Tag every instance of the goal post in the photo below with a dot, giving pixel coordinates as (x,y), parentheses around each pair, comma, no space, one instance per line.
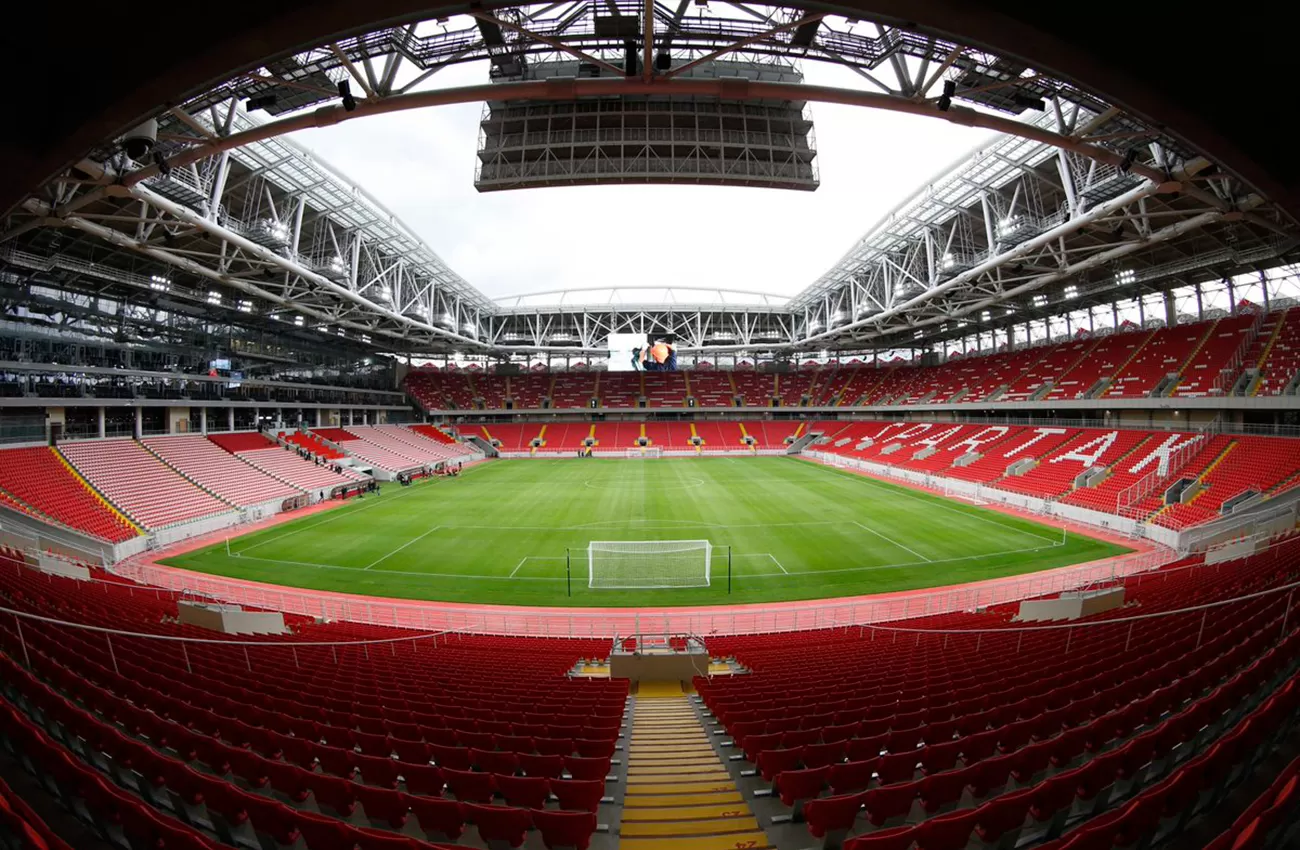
(645,564)
(648,451)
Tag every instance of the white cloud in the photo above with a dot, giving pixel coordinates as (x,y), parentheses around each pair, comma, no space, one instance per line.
(420,164)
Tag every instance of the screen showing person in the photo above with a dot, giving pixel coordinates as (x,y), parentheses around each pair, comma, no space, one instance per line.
(659,354)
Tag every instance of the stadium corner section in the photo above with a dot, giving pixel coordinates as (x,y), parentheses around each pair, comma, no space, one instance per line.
(192,544)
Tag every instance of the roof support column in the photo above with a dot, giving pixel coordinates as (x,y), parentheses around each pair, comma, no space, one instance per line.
(218,185)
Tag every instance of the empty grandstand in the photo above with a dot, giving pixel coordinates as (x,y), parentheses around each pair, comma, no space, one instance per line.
(650,525)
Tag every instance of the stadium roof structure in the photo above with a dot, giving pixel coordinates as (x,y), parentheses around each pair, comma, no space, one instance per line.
(1080,201)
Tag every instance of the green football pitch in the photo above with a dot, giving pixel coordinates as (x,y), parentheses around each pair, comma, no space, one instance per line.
(500,533)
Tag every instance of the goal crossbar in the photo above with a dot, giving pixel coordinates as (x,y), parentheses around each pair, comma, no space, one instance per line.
(632,564)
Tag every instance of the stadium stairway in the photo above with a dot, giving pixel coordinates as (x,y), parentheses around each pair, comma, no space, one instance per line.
(679,794)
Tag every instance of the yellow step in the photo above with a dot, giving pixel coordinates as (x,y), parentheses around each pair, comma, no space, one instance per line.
(681,778)
(728,811)
(702,760)
(756,840)
(657,790)
(675,801)
(670,770)
(717,826)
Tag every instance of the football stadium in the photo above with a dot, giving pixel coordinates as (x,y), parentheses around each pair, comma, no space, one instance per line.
(649,426)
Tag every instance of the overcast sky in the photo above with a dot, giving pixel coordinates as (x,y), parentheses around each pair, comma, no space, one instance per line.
(420,164)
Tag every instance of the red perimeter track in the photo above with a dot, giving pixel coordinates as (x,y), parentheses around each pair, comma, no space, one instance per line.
(612,622)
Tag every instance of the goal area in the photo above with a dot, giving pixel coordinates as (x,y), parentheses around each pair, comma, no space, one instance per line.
(645,564)
(648,451)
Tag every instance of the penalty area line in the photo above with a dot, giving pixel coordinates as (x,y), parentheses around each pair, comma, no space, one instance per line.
(891,540)
(400,548)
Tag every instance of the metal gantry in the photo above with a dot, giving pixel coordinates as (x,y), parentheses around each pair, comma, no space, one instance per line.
(1078,202)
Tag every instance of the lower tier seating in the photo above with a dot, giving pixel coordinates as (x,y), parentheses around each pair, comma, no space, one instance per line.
(39,482)
(145,488)
(219,472)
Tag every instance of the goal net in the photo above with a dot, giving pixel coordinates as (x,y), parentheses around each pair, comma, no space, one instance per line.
(625,564)
(648,451)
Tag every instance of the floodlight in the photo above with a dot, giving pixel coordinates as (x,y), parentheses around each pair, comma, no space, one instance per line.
(345,94)
(262,101)
(164,168)
(945,99)
(1126,164)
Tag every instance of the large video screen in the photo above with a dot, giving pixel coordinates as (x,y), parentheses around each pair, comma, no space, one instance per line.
(642,352)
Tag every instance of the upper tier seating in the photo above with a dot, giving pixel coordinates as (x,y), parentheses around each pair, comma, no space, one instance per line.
(1212,369)
(1056,360)
(1280,362)
(141,485)
(665,389)
(317,446)
(849,384)
(1105,359)
(794,387)
(756,388)
(528,391)
(490,390)
(574,389)
(712,389)
(1204,358)
(1163,355)
(219,472)
(288,466)
(37,478)
(620,389)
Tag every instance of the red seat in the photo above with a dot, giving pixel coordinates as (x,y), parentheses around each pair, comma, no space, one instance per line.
(889,802)
(581,768)
(500,823)
(1003,814)
(436,816)
(273,818)
(851,776)
(947,832)
(549,766)
(335,793)
(383,806)
(554,746)
(897,767)
(578,794)
(466,785)
(490,761)
(325,833)
(528,792)
(832,815)
(939,791)
(377,770)
(565,829)
(424,779)
(823,755)
(289,780)
(772,762)
(456,758)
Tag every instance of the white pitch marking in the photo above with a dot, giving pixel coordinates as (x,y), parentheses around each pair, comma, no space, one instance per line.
(778,563)
(403,546)
(890,540)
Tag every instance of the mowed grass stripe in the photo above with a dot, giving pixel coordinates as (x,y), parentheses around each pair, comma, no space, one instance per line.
(520,517)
